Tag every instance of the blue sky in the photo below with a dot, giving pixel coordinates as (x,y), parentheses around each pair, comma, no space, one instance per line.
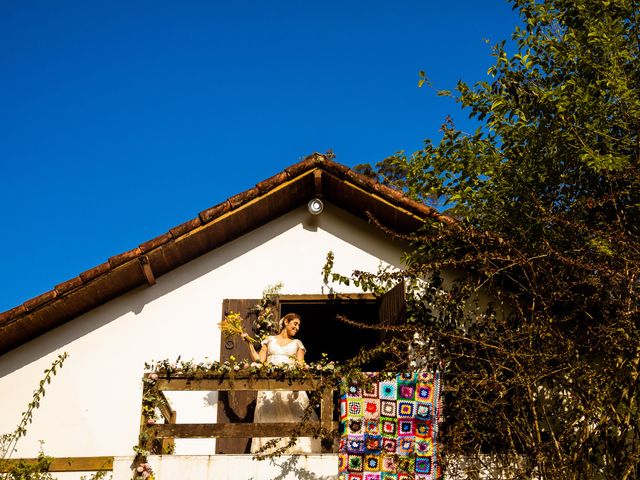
(120,120)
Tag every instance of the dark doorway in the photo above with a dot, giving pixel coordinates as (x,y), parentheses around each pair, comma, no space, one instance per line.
(322,332)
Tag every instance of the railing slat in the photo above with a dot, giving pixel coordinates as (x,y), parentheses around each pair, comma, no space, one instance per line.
(66,464)
(226,384)
(232,430)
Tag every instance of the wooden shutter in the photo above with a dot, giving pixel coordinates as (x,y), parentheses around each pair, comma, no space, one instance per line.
(393,307)
(236,407)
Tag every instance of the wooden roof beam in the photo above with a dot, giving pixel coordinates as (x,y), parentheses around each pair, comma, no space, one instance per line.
(317,183)
(146,270)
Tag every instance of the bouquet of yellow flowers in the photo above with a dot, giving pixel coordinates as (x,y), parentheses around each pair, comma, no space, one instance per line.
(232,325)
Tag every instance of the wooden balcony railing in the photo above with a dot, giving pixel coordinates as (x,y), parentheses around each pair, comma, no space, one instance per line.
(63,464)
(159,437)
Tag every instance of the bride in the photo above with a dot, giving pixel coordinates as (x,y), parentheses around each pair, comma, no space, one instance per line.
(282,406)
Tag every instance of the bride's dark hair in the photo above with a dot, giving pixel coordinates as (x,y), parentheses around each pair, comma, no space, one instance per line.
(287,318)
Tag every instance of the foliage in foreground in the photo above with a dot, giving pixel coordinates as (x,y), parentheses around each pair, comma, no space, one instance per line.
(8,441)
(38,470)
(546,197)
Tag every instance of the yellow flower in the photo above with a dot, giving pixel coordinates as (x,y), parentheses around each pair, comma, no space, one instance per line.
(232,325)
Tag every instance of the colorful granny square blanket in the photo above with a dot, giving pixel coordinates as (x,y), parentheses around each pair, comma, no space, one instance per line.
(389,427)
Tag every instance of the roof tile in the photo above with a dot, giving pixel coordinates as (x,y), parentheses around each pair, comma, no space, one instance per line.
(396,195)
(95,271)
(155,242)
(302,166)
(68,285)
(40,300)
(214,212)
(362,180)
(13,313)
(124,257)
(243,197)
(336,168)
(185,227)
(271,183)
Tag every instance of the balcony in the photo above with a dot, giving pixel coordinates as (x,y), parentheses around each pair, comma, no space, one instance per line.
(158,438)
(159,431)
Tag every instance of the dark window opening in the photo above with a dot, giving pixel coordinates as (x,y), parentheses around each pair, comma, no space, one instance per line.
(322,332)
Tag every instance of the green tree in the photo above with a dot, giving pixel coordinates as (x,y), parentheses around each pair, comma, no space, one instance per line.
(546,201)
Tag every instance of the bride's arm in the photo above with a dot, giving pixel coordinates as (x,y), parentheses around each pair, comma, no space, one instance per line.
(260,356)
(300,356)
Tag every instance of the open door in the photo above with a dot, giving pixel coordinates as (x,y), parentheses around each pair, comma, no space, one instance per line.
(236,407)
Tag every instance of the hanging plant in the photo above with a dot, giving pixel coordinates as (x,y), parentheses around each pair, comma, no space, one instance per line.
(266,323)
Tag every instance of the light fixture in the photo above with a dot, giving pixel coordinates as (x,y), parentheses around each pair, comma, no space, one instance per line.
(315,206)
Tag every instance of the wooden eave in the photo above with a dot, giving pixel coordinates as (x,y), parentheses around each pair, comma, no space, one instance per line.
(212,228)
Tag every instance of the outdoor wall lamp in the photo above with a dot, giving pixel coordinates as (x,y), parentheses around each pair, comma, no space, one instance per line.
(315,206)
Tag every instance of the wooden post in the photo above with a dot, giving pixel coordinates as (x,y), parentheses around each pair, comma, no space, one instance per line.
(146,440)
(168,444)
(326,415)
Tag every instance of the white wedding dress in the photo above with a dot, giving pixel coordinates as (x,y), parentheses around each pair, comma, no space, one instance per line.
(283,406)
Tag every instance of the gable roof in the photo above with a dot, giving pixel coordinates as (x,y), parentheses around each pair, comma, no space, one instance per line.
(316,175)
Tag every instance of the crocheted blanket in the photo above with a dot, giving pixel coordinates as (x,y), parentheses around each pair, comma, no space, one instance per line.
(389,428)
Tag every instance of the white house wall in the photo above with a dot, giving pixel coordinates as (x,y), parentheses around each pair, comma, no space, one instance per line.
(92,407)
(234,467)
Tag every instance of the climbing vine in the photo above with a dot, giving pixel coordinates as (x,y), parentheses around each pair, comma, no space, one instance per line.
(265,322)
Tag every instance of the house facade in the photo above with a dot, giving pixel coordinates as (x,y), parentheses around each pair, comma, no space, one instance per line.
(164,300)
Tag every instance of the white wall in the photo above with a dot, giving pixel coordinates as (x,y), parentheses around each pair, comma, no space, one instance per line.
(93,405)
(234,467)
